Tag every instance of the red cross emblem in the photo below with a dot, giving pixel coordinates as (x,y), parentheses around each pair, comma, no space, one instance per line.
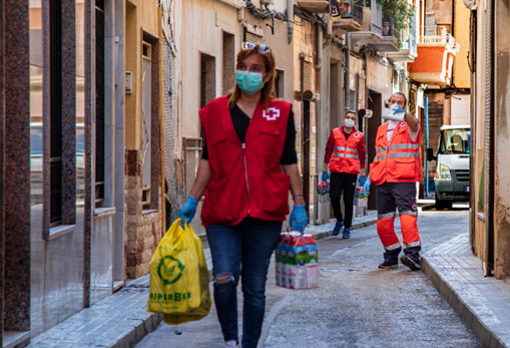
(272,114)
(356,134)
(403,124)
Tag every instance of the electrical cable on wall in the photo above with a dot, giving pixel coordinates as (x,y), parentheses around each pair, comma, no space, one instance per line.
(303,15)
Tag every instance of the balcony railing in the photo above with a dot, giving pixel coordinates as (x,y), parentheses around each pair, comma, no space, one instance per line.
(408,42)
(388,29)
(377,15)
(438,34)
(355,10)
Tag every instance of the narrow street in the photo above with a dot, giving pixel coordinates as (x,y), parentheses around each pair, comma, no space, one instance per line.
(356,305)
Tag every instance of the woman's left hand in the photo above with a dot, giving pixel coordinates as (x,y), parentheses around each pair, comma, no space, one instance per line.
(298,218)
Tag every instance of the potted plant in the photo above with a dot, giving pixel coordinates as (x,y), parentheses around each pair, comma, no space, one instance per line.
(343,7)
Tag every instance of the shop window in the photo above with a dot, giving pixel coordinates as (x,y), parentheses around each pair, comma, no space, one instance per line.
(100,104)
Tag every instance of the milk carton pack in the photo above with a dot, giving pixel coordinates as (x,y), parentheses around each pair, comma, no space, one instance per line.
(323,192)
(361,198)
(297,261)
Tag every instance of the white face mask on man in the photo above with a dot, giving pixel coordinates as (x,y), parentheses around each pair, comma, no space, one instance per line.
(349,123)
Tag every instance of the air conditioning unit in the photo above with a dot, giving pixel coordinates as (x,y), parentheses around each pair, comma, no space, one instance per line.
(471,4)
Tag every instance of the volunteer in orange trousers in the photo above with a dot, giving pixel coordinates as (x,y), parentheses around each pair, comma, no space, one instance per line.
(395,171)
(346,151)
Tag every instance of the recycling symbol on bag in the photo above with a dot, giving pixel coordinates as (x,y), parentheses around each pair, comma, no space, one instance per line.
(170,273)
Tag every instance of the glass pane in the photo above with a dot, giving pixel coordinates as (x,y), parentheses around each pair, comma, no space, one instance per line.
(80,102)
(36,102)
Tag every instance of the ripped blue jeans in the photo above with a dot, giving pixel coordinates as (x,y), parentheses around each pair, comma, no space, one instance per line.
(250,243)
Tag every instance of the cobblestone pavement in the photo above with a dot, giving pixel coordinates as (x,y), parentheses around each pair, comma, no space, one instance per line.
(357,305)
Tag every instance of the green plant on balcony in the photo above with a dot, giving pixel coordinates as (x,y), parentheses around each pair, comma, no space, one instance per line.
(401,14)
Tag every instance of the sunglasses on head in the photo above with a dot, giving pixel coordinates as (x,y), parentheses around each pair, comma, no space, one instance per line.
(251,45)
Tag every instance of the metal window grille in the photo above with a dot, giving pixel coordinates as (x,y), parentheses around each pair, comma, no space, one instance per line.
(307,76)
(100,104)
(251,37)
(55,113)
(356,10)
(171,143)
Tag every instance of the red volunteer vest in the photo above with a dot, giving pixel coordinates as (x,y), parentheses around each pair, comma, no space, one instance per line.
(246,179)
(345,153)
(398,162)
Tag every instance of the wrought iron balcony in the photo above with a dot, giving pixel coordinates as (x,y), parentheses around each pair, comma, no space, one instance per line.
(378,33)
(352,16)
(408,49)
(355,10)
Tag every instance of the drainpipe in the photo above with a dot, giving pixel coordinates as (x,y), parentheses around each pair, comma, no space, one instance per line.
(319,48)
(290,20)
(347,76)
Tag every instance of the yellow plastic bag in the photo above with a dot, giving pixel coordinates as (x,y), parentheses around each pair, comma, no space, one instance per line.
(179,280)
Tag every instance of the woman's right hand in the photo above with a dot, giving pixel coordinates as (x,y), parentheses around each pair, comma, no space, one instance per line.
(188,210)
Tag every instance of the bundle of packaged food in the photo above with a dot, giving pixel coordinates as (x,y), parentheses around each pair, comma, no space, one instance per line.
(361,198)
(297,261)
(323,192)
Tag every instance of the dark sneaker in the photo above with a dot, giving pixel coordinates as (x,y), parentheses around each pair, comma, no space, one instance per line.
(337,228)
(347,233)
(409,262)
(386,264)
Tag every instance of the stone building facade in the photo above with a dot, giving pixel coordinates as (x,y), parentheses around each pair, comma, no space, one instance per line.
(490,115)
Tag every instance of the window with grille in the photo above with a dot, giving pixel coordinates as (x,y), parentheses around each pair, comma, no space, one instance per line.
(229,58)
(100,104)
(307,76)
(55,8)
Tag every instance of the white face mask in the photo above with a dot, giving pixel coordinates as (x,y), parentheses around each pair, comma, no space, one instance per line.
(349,123)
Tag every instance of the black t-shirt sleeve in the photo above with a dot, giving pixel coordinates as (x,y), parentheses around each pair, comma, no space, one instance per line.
(205,154)
(289,150)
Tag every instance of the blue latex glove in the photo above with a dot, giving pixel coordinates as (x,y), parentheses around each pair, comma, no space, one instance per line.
(362,180)
(188,210)
(366,186)
(325,176)
(398,110)
(298,218)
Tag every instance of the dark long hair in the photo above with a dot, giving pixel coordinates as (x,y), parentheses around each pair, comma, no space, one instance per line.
(269,64)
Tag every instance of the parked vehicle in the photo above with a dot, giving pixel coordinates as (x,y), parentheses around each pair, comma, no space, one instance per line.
(452,163)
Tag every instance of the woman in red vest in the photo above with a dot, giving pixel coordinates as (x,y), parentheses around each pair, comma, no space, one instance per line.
(395,171)
(346,151)
(248,166)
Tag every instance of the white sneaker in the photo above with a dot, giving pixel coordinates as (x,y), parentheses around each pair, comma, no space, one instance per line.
(231,344)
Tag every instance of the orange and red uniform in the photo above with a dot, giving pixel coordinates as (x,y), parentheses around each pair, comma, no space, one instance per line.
(345,155)
(395,171)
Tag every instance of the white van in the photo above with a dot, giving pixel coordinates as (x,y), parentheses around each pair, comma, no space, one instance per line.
(452,166)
